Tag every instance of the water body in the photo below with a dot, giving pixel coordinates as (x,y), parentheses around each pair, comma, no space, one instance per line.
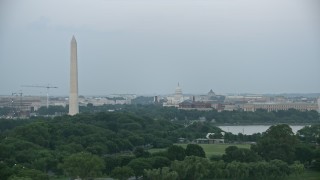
(251,129)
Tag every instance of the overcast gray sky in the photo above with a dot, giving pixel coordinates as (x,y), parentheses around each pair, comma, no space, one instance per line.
(148,46)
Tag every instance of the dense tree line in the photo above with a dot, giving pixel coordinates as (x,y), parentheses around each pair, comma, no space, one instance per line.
(42,144)
(114,144)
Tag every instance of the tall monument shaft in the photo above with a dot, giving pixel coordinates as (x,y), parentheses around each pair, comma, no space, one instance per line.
(73,97)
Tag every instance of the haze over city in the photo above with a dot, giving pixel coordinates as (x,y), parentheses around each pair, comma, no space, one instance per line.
(147,47)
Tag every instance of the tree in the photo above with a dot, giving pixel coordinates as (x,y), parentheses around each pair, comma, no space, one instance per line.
(37,133)
(259,170)
(83,165)
(45,161)
(278,169)
(316,163)
(191,168)
(176,153)
(310,134)
(217,170)
(160,174)
(278,142)
(122,173)
(238,170)
(26,173)
(52,110)
(304,153)
(297,168)
(159,162)
(275,169)
(140,152)
(111,162)
(138,165)
(5,171)
(195,150)
(233,153)
(19,178)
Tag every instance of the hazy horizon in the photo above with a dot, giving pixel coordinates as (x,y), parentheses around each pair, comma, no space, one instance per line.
(147,47)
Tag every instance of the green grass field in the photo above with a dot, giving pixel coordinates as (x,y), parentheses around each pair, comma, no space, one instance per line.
(307,175)
(209,149)
(216,149)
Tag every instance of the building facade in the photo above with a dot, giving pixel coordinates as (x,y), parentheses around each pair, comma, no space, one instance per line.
(280,106)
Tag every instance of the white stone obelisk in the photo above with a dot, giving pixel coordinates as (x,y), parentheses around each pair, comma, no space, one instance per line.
(73,97)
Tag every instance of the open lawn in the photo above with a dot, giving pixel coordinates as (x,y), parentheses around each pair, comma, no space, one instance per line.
(307,175)
(216,149)
(209,149)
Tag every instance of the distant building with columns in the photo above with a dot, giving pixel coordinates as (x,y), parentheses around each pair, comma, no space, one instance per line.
(281,106)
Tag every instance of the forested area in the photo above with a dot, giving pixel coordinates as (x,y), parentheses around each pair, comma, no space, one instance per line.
(115,145)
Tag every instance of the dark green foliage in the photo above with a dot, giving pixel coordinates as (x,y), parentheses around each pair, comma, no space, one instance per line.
(122,173)
(233,153)
(195,150)
(36,147)
(217,169)
(160,153)
(237,170)
(310,134)
(161,143)
(233,117)
(279,169)
(191,168)
(316,161)
(160,174)
(37,133)
(159,162)
(138,165)
(8,124)
(43,144)
(275,169)
(111,162)
(22,172)
(304,153)
(140,152)
(296,169)
(5,170)
(183,116)
(231,138)
(278,142)
(52,110)
(83,165)
(216,158)
(176,153)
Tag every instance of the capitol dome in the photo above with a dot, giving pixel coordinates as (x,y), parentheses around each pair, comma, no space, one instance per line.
(178,90)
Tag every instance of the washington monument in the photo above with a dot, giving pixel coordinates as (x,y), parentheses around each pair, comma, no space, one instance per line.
(73,97)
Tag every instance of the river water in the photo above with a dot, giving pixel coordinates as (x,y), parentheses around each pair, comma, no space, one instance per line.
(251,129)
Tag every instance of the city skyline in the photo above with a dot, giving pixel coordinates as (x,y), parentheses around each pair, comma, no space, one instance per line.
(147,47)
